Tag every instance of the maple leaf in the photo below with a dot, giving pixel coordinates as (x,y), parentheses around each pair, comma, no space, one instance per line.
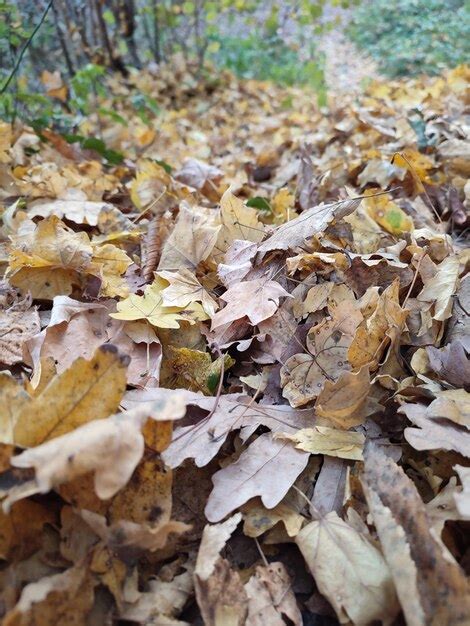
(303,376)
(109,263)
(238,222)
(434,434)
(150,307)
(251,475)
(348,570)
(184,288)
(256,299)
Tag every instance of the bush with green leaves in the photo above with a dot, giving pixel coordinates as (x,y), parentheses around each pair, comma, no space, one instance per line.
(410,37)
(267,57)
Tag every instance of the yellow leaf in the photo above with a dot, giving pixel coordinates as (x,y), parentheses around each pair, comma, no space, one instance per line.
(330,441)
(238,222)
(150,307)
(109,263)
(185,289)
(50,260)
(387,213)
(195,369)
(417,164)
(73,398)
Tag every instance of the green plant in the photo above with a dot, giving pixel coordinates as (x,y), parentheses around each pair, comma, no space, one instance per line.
(410,37)
(267,57)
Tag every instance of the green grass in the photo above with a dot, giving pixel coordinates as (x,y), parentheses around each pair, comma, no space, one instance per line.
(411,37)
(268,58)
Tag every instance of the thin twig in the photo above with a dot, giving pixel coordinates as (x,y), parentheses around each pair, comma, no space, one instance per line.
(25,47)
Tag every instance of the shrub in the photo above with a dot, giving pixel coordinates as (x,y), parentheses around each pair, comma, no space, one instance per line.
(409,37)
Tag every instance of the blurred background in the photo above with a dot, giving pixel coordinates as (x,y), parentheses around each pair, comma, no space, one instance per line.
(55,54)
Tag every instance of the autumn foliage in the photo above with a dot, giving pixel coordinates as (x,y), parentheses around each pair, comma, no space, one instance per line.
(234,383)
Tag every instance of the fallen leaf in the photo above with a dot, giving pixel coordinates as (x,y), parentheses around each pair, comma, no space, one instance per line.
(431,587)
(270,597)
(256,299)
(150,307)
(340,401)
(251,475)
(73,398)
(50,260)
(439,290)
(328,441)
(192,239)
(348,570)
(434,434)
(311,222)
(18,323)
(184,288)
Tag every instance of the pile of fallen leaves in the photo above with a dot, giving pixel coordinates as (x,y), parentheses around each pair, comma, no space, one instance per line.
(235,370)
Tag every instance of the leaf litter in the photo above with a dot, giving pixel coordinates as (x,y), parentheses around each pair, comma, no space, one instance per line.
(235,384)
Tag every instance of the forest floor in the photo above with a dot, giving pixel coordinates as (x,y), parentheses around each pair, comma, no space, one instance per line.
(235,385)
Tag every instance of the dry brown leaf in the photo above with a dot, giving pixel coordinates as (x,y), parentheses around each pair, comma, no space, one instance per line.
(431,587)
(348,570)
(434,433)
(192,240)
(256,299)
(18,323)
(69,594)
(73,398)
(219,590)
(238,222)
(184,288)
(439,290)
(251,475)
(340,401)
(50,260)
(311,222)
(270,597)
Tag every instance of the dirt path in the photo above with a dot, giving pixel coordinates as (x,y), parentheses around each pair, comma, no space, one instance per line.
(346,68)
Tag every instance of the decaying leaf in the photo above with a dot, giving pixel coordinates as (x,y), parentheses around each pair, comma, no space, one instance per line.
(430,586)
(348,570)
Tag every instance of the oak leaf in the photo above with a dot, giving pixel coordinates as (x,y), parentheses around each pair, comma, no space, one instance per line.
(256,299)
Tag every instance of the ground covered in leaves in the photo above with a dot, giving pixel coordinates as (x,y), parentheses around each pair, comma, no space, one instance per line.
(235,371)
